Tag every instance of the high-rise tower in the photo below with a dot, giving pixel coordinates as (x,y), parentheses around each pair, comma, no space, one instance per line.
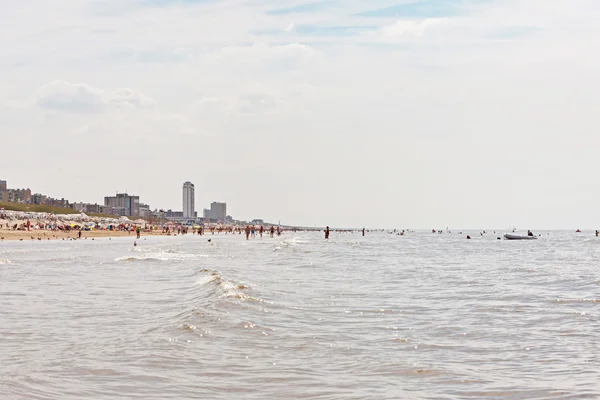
(189,200)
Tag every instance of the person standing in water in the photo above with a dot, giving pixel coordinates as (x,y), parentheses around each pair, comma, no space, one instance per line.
(272,231)
(138,231)
(327,233)
(247,232)
(261,230)
(363,232)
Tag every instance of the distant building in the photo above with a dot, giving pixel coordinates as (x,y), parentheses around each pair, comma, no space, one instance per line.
(88,208)
(218,211)
(173,214)
(177,216)
(78,206)
(93,208)
(3,192)
(189,200)
(145,211)
(38,199)
(131,204)
(109,210)
(206,213)
(56,202)
(18,195)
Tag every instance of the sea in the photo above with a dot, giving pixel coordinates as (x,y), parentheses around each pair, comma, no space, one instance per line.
(419,316)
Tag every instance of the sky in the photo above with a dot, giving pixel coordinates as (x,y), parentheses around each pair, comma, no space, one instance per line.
(379,113)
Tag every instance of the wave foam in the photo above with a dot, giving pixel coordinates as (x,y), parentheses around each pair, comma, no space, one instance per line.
(160,256)
(227,288)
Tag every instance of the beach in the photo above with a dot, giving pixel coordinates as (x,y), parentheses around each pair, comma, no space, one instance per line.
(18,225)
(9,234)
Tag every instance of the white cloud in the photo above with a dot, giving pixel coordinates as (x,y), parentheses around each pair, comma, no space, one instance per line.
(407,27)
(290,27)
(60,95)
(79,97)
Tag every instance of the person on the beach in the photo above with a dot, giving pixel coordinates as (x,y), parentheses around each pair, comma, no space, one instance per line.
(262,229)
(327,233)
(247,232)
(79,234)
(272,231)
(363,232)
(138,231)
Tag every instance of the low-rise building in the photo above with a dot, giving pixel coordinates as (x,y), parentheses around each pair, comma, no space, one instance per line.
(144,211)
(38,199)
(19,195)
(109,210)
(56,202)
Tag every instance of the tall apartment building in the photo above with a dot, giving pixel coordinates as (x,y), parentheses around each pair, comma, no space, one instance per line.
(218,211)
(189,200)
(131,204)
(3,192)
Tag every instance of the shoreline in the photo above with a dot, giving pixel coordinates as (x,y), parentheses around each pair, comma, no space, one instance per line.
(43,235)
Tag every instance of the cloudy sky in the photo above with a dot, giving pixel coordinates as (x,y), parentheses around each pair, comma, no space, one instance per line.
(379,113)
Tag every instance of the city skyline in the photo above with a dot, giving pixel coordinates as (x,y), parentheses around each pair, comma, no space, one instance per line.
(122,204)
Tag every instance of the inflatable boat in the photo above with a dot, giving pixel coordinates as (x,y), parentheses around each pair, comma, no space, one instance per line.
(510,236)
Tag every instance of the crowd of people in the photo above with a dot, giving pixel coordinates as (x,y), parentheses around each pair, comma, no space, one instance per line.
(250,230)
(22,221)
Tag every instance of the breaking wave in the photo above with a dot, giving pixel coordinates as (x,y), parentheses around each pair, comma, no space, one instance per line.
(227,288)
(158,256)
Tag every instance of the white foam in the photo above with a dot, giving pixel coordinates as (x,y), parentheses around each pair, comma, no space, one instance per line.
(207,279)
(159,256)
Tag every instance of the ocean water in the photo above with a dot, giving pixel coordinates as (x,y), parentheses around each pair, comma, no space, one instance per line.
(422,316)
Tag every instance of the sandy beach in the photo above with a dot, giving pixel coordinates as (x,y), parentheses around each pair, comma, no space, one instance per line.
(15,225)
(59,235)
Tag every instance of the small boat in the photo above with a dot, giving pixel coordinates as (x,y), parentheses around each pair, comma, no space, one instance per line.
(509,236)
